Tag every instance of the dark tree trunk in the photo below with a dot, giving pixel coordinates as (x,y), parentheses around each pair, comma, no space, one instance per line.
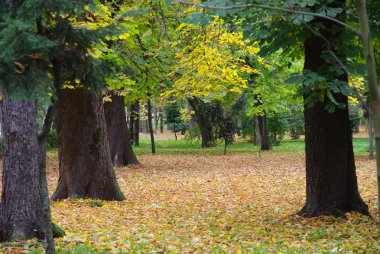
(117,132)
(161,122)
(331,183)
(264,133)
(150,126)
(85,166)
(155,120)
(22,209)
(199,107)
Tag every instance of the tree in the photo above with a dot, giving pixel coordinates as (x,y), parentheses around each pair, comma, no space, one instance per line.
(85,169)
(21,205)
(331,185)
(173,117)
(325,89)
(118,133)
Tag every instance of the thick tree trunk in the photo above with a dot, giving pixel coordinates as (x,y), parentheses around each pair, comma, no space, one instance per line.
(331,183)
(85,166)
(117,132)
(264,133)
(150,126)
(22,208)
(208,139)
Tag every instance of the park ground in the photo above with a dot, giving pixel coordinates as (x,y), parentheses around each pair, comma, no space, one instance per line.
(188,200)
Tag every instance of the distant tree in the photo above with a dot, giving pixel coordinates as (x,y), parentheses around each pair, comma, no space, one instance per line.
(173,118)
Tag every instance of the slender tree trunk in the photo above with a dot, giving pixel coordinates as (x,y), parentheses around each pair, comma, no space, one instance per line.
(85,166)
(264,133)
(21,205)
(155,120)
(161,122)
(370,135)
(150,126)
(331,182)
(208,139)
(117,132)
(373,85)
(131,125)
(44,192)
(135,114)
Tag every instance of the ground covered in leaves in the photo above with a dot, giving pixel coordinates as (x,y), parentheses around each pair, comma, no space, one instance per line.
(208,203)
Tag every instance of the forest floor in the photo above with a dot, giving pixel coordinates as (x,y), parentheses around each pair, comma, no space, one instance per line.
(205,202)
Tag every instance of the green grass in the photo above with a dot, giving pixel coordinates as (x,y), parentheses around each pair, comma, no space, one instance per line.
(184,147)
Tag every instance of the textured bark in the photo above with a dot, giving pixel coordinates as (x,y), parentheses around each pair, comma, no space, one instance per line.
(85,166)
(117,130)
(199,107)
(264,133)
(331,182)
(22,211)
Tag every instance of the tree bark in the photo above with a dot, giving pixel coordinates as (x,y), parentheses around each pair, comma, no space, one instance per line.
(256,134)
(85,166)
(21,206)
(150,126)
(264,133)
(208,139)
(117,132)
(331,182)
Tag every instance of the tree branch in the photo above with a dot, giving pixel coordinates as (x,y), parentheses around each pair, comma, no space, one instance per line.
(260,6)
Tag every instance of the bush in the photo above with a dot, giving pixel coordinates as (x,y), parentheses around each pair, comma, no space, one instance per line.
(277,125)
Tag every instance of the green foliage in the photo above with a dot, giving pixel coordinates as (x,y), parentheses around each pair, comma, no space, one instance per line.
(355,118)
(173,118)
(52,139)
(247,128)
(277,125)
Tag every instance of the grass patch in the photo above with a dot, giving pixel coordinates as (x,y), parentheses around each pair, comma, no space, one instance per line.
(240,146)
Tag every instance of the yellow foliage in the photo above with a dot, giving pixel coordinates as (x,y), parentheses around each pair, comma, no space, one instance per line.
(210,61)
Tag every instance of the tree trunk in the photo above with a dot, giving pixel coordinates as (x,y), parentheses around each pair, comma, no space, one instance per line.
(161,122)
(22,208)
(373,82)
(85,166)
(117,132)
(264,133)
(370,135)
(44,192)
(150,126)
(331,182)
(256,134)
(208,139)
(135,114)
